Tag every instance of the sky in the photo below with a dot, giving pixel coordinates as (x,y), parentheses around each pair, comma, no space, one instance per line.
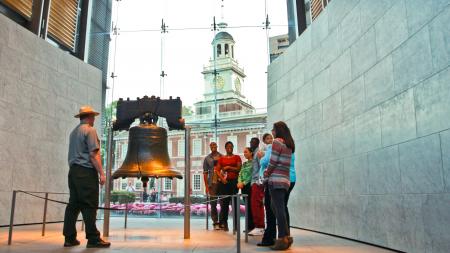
(135,54)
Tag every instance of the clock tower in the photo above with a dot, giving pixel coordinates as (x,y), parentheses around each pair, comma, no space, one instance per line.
(223,74)
(223,80)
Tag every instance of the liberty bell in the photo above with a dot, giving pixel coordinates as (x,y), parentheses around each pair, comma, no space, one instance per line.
(147,154)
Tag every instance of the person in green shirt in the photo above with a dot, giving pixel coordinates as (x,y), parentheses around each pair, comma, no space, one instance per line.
(245,178)
(245,175)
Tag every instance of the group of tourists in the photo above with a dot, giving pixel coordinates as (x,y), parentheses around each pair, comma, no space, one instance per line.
(267,177)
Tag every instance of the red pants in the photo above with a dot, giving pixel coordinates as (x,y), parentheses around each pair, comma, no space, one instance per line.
(257,205)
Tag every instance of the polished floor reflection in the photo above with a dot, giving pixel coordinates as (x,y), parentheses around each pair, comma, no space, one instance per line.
(166,235)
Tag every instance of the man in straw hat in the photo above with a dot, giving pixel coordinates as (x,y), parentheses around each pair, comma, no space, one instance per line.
(84,176)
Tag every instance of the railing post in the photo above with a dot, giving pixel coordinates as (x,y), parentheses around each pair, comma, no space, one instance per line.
(107,199)
(207,210)
(238,222)
(44,218)
(11,218)
(126,215)
(187,183)
(233,212)
(246,217)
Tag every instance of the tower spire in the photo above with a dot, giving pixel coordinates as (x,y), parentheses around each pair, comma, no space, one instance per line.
(222,25)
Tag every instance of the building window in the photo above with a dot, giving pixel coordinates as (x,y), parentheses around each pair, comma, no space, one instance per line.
(197,147)
(138,186)
(167,184)
(169,148)
(308,12)
(219,49)
(124,186)
(232,51)
(180,147)
(123,152)
(317,6)
(233,139)
(226,49)
(248,138)
(196,182)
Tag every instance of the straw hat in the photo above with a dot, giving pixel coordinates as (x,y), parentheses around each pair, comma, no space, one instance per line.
(86,110)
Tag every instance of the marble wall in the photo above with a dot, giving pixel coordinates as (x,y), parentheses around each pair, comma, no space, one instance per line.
(366,92)
(41,89)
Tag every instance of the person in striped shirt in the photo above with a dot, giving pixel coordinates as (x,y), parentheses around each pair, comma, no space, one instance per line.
(278,175)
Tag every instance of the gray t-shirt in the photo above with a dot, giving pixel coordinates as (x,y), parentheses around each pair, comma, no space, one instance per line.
(256,166)
(83,140)
(208,167)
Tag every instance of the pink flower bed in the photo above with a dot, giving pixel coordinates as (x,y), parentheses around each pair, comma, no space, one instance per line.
(166,208)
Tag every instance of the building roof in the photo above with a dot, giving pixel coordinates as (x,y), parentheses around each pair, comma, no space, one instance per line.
(223,36)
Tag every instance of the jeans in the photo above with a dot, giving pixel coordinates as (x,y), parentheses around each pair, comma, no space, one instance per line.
(286,206)
(83,188)
(279,208)
(213,193)
(248,190)
(271,227)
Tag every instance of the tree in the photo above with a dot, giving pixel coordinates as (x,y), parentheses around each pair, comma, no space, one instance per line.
(187,111)
(110,110)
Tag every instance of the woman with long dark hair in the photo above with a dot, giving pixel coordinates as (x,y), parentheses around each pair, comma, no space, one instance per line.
(278,174)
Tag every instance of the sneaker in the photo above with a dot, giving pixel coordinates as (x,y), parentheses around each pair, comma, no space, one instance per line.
(71,243)
(98,244)
(256,232)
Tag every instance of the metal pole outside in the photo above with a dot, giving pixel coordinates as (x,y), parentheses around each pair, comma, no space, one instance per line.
(246,197)
(106,212)
(44,218)
(207,210)
(11,218)
(187,184)
(238,222)
(82,225)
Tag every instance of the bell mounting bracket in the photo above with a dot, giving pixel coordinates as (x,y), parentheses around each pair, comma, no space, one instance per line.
(148,109)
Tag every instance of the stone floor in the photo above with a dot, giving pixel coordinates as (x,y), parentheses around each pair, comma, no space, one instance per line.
(166,235)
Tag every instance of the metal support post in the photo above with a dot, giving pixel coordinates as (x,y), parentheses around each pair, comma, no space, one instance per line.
(126,215)
(44,218)
(246,197)
(82,225)
(238,222)
(11,218)
(207,210)
(106,216)
(187,184)
(233,212)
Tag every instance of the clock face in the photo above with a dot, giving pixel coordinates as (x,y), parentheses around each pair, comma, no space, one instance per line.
(219,82)
(237,84)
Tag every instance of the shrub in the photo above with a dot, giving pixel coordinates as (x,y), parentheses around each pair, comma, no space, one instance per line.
(122,197)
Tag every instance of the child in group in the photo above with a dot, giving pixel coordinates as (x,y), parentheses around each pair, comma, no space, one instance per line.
(245,175)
